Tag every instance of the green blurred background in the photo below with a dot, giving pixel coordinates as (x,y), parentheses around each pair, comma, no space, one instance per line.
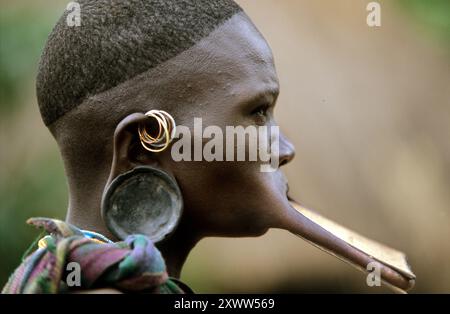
(368,110)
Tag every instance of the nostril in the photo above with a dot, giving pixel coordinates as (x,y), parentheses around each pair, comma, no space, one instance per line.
(283,162)
(285,159)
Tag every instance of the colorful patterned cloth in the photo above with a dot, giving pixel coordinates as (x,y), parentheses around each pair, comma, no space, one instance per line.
(134,265)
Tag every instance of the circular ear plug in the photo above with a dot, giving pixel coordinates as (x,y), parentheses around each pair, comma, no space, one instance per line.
(144,201)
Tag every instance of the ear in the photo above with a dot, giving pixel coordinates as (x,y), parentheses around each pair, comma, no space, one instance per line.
(127,150)
(134,192)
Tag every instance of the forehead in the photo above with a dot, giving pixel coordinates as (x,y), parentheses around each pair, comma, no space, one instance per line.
(237,56)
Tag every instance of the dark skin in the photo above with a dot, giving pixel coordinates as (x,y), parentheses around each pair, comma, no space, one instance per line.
(227,79)
(243,93)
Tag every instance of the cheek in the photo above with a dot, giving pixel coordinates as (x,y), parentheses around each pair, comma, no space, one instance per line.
(226,197)
(216,179)
(222,190)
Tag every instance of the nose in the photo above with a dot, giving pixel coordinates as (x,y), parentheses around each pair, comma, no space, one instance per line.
(287,150)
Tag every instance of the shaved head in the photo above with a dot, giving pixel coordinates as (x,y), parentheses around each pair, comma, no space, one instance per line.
(116,41)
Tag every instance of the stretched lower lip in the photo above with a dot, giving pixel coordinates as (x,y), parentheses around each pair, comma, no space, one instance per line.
(316,230)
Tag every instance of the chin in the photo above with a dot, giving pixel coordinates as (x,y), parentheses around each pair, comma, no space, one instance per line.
(238,230)
(259,232)
(253,230)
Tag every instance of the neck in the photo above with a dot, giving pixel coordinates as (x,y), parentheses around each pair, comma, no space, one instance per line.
(85,213)
(175,249)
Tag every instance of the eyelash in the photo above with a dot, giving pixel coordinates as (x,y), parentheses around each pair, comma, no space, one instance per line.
(261,110)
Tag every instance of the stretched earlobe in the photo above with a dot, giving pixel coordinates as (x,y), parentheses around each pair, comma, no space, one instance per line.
(143,200)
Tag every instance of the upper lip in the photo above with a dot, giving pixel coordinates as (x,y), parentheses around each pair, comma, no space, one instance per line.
(287,191)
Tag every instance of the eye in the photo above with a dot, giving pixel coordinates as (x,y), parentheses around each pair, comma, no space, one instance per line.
(261,111)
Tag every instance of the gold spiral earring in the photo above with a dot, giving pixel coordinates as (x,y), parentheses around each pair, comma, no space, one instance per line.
(166,131)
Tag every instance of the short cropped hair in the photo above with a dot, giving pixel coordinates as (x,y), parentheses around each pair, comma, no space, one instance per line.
(116,41)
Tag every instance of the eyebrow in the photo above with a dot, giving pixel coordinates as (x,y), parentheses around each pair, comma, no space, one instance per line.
(269,96)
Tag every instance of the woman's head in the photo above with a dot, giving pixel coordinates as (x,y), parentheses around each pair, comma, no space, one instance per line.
(206,61)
